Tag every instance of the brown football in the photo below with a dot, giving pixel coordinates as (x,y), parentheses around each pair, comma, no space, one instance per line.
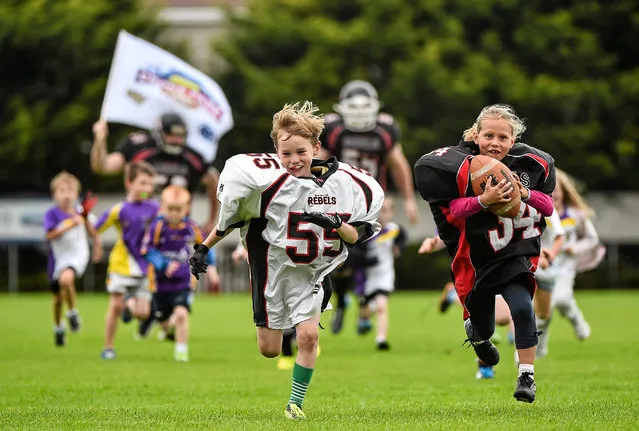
(483,169)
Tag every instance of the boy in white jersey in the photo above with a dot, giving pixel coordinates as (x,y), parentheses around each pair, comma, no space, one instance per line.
(66,228)
(295,214)
(581,240)
(375,283)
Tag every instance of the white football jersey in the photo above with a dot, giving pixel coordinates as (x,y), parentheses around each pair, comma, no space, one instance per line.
(580,236)
(257,194)
(381,277)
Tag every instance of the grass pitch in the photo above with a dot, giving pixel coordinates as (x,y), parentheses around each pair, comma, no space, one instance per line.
(425,382)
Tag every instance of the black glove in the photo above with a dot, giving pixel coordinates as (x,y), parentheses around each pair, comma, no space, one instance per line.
(327,221)
(197,262)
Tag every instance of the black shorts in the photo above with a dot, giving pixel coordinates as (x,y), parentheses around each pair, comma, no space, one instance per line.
(365,299)
(55,285)
(165,302)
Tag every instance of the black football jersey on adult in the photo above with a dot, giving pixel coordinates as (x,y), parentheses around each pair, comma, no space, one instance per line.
(487,250)
(185,169)
(364,150)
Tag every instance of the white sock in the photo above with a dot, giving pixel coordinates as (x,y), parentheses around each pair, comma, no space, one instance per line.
(542,324)
(58,328)
(380,340)
(527,368)
(181,348)
(72,312)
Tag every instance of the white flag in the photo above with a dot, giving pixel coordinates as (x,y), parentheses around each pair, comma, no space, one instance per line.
(146,81)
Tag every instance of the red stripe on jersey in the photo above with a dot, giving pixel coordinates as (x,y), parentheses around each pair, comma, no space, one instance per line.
(194,161)
(381,177)
(368,193)
(542,162)
(462,177)
(462,267)
(271,191)
(144,154)
(332,138)
(386,137)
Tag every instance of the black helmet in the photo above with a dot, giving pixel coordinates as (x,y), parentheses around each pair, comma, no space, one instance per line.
(170,124)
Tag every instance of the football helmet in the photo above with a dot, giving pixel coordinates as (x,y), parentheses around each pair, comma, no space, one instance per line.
(358,105)
(170,133)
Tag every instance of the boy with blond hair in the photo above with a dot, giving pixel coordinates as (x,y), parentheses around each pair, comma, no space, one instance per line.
(166,246)
(66,227)
(295,214)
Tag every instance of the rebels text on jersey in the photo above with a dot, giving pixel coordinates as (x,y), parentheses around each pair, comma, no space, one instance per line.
(487,250)
(365,150)
(185,169)
(257,194)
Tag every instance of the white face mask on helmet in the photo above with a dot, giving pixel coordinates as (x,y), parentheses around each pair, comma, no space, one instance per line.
(358,105)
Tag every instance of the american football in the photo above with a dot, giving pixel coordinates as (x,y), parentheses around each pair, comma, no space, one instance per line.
(483,169)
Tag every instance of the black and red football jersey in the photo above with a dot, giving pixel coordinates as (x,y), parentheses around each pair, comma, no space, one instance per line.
(185,169)
(364,150)
(487,250)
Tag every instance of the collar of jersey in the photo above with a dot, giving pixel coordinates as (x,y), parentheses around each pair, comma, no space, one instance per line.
(331,164)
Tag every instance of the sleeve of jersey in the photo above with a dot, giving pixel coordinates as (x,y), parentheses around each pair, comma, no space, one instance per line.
(435,184)
(239,198)
(554,223)
(390,126)
(108,219)
(50,220)
(127,148)
(367,207)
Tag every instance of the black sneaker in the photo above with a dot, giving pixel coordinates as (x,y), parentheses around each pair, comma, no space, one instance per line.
(59,338)
(74,322)
(526,388)
(145,326)
(338,321)
(485,350)
(383,346)
(126,315)
(170,334)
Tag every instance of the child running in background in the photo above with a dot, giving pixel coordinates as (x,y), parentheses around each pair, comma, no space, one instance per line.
(581,240)
(166,246)
(128,270)
(376,282)
(66,227)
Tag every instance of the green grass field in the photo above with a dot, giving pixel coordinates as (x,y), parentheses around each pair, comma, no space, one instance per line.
(425,382)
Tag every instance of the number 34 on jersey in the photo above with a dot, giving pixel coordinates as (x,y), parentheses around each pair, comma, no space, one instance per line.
(524,225)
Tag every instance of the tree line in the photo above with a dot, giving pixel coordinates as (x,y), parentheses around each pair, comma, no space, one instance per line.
(571,68)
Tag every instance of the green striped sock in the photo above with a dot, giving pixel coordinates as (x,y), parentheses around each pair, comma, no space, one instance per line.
(301,380)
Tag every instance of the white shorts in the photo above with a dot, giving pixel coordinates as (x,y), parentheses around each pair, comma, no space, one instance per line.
(285,308)
(134,286)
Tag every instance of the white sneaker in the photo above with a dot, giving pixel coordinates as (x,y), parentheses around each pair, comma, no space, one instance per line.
(542,346)
(582,329)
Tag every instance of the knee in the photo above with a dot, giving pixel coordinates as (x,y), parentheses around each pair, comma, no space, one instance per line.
(381,304)
(522,312)
(116,304)
(181,313)
(269,350)
(66,278)
(307,338)
(560,300)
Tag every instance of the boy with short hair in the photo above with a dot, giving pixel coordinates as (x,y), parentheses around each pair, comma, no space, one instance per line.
(66,229)
(128,270)
(166,246)
(295,215)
